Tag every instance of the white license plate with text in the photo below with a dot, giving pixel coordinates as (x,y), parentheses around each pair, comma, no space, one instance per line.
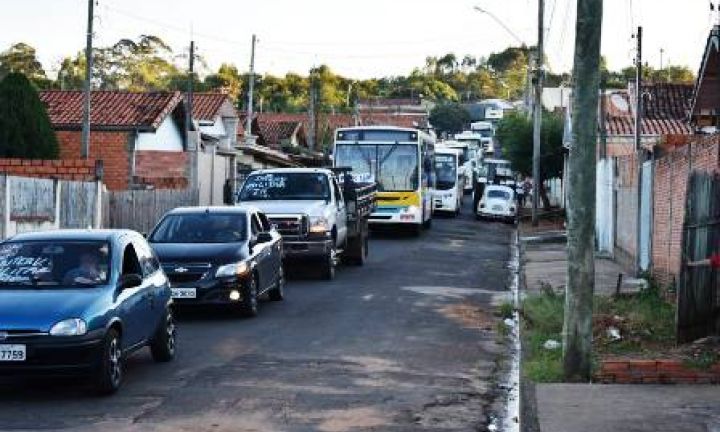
(12,353)
(184,293)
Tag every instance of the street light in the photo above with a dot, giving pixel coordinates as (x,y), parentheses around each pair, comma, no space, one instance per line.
(497,20)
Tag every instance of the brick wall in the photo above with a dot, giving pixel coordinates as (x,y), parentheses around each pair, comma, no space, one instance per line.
(110,147)
(672,172)
(162,169)
(68,169)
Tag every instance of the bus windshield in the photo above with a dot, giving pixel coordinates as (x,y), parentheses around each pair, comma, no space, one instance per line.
(446,171)
(394,167)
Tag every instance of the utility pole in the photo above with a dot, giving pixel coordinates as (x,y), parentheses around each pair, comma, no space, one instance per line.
(85,151)
(251,90)
(577,328)
(190,88)
(639,153)
(313,111)
(537,114)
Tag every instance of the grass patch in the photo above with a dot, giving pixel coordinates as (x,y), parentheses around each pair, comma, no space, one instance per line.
(645,322)
(542,320)
(506,310)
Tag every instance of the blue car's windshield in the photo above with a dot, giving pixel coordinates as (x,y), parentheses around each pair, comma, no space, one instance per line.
(201,228)
(54,263)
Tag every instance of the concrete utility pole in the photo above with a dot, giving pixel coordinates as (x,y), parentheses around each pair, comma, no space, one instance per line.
(577,330)
(537,111)
(312,136)
(251,90)
(191,88)
(85,150)
(639,152)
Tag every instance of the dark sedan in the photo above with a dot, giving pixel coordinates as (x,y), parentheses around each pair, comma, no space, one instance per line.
(79,302)
(220,256)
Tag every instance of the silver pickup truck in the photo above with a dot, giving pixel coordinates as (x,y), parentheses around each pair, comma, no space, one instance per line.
(321,218)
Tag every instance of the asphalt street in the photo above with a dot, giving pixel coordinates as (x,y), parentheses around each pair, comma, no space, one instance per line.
(406,343)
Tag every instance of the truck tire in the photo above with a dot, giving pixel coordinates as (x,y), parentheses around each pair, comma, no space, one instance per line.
(357,251)
(327,266)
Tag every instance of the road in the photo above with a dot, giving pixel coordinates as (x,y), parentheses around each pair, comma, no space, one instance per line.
(406,343)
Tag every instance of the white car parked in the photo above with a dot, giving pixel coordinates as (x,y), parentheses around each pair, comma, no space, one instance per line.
(497,202)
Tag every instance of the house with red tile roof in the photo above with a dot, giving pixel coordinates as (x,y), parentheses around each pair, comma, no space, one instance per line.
(140,137)
(665,116)
(704,110)
(216,118)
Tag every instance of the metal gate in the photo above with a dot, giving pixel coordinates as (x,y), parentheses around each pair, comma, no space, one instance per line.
(698,307)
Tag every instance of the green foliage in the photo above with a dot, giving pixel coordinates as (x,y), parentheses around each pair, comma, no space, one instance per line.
(22,58)
(515,133)
(668,74)
(542,320)
(25,130)
(449,118)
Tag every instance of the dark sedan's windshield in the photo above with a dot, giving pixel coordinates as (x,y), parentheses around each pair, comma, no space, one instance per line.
(201,228)
(54,263)
(286,186)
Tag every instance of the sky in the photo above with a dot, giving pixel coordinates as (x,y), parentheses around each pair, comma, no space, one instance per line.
(360,38)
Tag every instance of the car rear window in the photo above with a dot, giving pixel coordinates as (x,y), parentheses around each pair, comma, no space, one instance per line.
(54,263)
(501,194)
(201,228)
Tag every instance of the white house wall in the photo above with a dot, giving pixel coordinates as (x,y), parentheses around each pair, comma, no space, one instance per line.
(167,137)
(217,129)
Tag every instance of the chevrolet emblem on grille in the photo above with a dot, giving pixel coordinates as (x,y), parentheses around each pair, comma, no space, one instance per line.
(181,270)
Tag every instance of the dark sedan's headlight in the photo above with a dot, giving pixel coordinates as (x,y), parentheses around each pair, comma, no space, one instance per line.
(233,270)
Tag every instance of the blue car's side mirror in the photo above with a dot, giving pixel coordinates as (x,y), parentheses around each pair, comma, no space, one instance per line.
(129,281)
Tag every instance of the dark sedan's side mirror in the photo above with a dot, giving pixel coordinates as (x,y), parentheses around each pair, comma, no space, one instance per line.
(130,281)
(264,237)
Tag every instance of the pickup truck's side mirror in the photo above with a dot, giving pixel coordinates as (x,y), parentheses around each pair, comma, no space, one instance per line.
(264,237)
(129,281)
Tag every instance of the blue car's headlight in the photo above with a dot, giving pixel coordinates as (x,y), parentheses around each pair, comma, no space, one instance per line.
(234,269)
(69,327)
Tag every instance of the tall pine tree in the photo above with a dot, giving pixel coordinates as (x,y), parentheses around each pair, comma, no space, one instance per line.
(25,129)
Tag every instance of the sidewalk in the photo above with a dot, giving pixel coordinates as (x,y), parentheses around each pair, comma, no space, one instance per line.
(545,263)
(598,407)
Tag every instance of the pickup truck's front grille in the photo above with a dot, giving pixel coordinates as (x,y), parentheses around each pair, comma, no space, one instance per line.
(290,225)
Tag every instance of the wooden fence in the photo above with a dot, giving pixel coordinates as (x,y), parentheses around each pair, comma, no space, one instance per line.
(698,304)
(140,210)
(35,204)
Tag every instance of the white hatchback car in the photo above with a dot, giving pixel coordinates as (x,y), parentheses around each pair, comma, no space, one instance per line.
(497,202)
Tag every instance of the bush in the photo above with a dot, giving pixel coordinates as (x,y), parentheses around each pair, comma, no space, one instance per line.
(25,129)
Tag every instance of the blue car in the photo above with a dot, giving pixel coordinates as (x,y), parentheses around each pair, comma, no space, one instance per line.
(75,302)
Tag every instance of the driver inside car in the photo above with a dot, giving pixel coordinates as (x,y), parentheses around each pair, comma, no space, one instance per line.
(88,272)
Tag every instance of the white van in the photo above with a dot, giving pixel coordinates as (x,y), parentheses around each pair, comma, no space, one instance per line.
(450,181)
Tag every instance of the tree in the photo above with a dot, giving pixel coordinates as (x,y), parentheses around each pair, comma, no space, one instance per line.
(22,58)
(514,132)
(449,118)
(25,130)
(227,80)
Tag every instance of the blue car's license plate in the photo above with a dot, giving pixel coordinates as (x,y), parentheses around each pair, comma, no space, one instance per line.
(12,353)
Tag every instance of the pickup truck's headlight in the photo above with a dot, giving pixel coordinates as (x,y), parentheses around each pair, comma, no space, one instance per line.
(234,269)
(319,225)
(69,327)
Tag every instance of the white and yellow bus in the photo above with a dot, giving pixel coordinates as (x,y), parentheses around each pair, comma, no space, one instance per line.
(400,162)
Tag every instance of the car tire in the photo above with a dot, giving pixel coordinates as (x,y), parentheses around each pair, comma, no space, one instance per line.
(249,304)
(327,269)
(278,291)
(163,345)
(109,375)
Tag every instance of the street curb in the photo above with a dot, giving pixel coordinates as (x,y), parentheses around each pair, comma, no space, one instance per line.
(528,400)
(550,237)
